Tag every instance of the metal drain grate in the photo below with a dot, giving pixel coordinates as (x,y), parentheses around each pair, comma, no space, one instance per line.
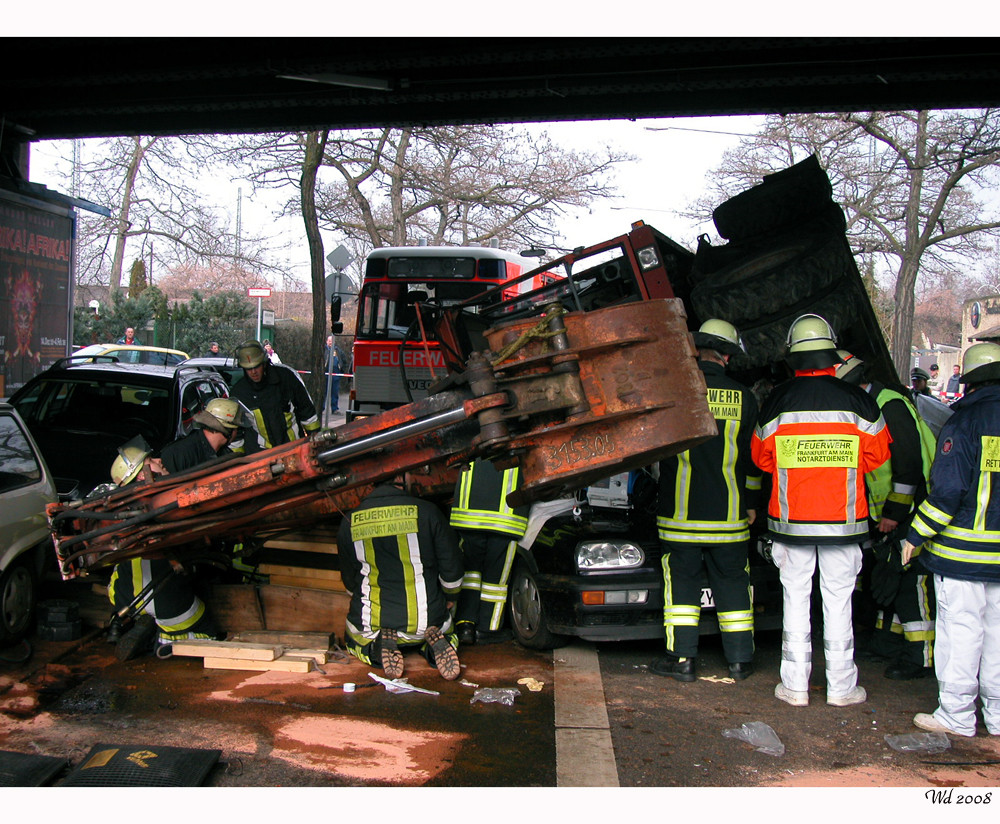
(137,765)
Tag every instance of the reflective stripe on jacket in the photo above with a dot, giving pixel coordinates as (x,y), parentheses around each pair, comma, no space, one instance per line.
(705,491)
(959,523)
(817,437)
(280,403)
(481,500)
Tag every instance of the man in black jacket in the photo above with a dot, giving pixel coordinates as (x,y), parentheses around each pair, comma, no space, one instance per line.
(402,564)
(706,503)
(276,397)
(216,425)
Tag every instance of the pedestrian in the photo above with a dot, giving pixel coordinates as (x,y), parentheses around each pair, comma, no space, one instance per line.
(817,437)
(129,337)
(918,381)
(159,589)
(213,350)
(488,528)
(334,364)
(904,623)
(936,382)
(276,397)
(954,382)
(402,564)
(707,500)
(271,354)
(955,534)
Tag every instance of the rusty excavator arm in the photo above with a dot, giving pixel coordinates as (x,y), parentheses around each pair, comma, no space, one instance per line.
(571,397)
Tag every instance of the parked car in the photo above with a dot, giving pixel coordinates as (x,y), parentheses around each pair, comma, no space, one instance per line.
(226,367)
(594,571)
(26,487)
(81,413)
(133,354)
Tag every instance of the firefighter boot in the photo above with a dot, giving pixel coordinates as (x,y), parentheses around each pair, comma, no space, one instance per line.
(680,668)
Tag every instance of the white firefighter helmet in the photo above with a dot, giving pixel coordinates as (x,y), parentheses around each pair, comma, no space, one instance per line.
(981,362)
(226,411)
(250,354)
(811,343)
(128,464)
(850,368)
(719,335)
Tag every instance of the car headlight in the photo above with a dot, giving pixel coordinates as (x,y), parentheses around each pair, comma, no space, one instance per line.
(595,555)
(648,257)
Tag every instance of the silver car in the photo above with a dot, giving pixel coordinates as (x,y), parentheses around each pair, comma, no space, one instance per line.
(25,543)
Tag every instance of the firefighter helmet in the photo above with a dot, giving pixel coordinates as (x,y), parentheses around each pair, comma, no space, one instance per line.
(811,343)
(250,354)
(719,335)
(981,362)
(128,464)
(850,369)
(225,410)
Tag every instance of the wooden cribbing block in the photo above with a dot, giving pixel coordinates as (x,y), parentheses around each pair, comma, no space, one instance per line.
(228,649)
(300,572)
(286,663)
(302,640)
(306,583)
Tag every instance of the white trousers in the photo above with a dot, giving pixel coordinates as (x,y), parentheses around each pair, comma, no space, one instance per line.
(838,569)
(967,653)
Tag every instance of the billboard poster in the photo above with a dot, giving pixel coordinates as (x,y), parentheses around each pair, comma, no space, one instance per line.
(36,255)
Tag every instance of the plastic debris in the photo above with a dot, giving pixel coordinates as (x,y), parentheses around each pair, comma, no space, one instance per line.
(716,680)
(466,683)
(494,695)
(399,685)
(759,735)
(531,684)
(930,742)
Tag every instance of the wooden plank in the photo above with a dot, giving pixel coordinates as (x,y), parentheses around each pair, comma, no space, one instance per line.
(300,572)
(236,607)
(287,663)
(301,640)
(306,583)
(291,609)
(228,649)
(320,656)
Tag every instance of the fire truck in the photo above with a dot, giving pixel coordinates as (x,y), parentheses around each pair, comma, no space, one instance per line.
(396,356)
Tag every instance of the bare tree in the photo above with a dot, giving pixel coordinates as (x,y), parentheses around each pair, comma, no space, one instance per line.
(150,186)
(908,182)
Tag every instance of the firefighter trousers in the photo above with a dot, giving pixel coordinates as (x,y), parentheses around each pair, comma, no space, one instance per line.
(968,653)
(489,557)
(905,633)
(179,613)
(839,566)
(728,570)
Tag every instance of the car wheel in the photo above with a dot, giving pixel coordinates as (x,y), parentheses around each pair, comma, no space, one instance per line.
(527,613)
(18,595)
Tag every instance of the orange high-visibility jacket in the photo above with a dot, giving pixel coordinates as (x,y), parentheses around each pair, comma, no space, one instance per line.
(817,437)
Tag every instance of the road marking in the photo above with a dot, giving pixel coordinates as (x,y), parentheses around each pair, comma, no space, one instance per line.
(585,755)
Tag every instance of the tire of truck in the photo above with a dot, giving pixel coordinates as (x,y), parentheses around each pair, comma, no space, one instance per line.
(783,200)
(765,342)
(527,612)
(18,598)
(767,282)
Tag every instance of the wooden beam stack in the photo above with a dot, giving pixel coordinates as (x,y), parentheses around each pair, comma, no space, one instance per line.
(261,651)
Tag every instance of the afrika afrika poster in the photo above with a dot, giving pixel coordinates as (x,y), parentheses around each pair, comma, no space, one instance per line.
(36,253)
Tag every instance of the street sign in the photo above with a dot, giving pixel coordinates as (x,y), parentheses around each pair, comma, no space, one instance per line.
(259,292)
(340,257)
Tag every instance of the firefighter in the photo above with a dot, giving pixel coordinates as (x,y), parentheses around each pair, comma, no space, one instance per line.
(904,624)
(402,564)
(707,501)
(157,588)
(276,397)
(215,427)
(817,437)
(488,529)
(956,532)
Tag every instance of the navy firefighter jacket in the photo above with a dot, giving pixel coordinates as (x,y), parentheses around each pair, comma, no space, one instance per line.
(959,522)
